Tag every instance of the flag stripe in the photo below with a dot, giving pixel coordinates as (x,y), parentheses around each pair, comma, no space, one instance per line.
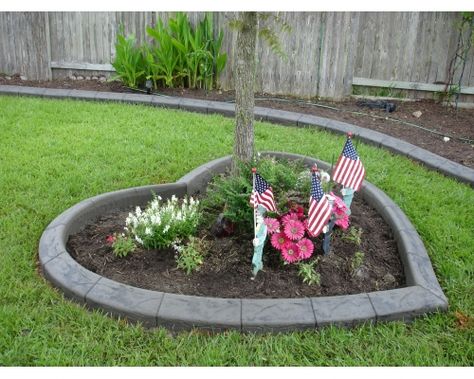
(349,170)
(262,195)
(319,208)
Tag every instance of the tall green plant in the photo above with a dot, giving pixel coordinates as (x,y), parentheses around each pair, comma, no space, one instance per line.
(180,55)
(166,59)
(128,63)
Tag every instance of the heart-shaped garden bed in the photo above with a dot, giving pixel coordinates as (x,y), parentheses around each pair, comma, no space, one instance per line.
(388,286)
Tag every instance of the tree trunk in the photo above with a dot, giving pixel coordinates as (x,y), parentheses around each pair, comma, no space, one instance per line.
(244,88)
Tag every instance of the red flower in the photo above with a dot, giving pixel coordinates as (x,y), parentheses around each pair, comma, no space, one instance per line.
(111,239)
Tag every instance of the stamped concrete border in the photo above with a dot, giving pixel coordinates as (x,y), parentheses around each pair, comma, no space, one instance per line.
(179,312)
(429,159)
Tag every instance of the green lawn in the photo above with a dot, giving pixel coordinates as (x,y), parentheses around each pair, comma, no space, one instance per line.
(56,153)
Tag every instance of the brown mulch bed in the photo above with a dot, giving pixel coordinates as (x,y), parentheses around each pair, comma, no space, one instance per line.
(444,120)
(226,270)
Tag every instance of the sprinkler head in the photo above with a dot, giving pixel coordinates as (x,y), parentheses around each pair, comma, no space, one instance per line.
(148,86)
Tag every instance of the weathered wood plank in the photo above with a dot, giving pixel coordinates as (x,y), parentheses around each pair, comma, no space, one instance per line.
(367,82)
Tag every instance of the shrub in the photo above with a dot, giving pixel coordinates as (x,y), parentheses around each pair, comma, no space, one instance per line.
(161,225)
(230,194)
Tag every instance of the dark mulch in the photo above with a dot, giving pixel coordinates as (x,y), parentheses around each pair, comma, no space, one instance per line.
(444,120)
(226,270)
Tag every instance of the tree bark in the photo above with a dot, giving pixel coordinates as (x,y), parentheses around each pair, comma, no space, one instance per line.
(244,69)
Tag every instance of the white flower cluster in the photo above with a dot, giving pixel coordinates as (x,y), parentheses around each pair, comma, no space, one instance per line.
(161,223)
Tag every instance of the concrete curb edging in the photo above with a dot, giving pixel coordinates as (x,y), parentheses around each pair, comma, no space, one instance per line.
(181,312)
(395,145)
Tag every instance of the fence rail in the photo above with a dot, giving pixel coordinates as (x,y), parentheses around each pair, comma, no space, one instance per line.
(325,50)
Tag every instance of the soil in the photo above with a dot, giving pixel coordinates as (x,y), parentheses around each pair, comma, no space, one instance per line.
(458,124)
(226,270)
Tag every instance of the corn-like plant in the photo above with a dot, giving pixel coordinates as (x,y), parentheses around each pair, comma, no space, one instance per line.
(164,53)
(180,55)
(128,62)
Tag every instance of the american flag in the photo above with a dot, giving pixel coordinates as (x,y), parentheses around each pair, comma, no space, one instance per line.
(262,194)
(349,170)
(319,208)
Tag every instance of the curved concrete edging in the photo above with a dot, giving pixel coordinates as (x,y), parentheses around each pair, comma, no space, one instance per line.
(422,294)
(395,145)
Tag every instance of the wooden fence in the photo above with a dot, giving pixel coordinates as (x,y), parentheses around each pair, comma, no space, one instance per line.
(327,52)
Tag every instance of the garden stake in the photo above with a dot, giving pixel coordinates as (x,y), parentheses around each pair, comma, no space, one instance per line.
(327,236)
(259,241)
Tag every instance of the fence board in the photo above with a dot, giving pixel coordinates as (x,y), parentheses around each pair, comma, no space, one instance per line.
(324,50)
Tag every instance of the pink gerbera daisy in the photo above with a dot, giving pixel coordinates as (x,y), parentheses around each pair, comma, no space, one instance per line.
(339,207)
(294,229)
(289,216)
(272,224)
(278,240)
(305,247)
(290,252)
(342,221)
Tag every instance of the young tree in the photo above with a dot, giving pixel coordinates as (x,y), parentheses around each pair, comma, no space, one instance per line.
(244,72)
(249,25)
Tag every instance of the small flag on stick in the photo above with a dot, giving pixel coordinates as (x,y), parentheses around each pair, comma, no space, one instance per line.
(262,194)
(319,208)
(349,170)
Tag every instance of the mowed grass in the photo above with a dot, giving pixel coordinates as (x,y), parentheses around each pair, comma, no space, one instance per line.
(56,153)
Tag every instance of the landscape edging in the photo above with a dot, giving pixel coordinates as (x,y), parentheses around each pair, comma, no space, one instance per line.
(395,145)
(182,312)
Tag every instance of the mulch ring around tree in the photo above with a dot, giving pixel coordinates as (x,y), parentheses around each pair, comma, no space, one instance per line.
(226,271)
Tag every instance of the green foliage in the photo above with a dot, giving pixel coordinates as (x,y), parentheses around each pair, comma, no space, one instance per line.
(128,62)
(353,235)
(180,55)
(307,272)
(230,194)
(357,261)
(191,256)
(123,245)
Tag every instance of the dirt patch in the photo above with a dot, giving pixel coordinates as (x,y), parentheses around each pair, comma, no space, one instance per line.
(458,125)
(226,270)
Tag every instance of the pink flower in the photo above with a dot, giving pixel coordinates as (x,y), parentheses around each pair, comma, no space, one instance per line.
(290,252)
(278,240)
(339,207)
(342,221)
(305,247)
(272,224)
(294,229)
(289,216)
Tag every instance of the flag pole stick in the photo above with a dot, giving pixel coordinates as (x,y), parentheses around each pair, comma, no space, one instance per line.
(254,170)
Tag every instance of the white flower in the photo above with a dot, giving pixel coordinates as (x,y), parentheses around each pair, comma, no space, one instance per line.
(148,231)
(139,240)
(324,177)
(166,228)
